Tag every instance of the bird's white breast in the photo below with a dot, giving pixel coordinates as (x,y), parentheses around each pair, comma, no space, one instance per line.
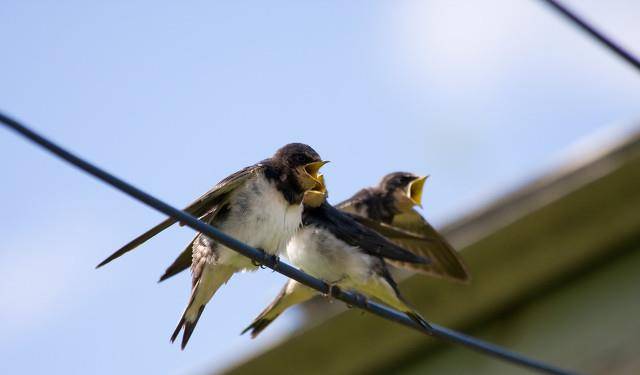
(319,253)
(261,217)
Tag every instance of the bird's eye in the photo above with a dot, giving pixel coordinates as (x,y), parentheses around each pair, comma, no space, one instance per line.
(299,159)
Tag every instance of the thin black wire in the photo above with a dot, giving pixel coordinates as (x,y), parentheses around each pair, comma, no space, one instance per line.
(283,268)
(598,35)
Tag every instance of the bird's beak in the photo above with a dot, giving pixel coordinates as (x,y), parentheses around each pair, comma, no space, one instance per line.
(317,195)
(414,190)
(311,171)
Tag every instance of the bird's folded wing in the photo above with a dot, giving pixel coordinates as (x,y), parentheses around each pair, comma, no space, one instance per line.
(198,208)
(345,228)
(350,204)
(445,261)
(385,229)
(183,261)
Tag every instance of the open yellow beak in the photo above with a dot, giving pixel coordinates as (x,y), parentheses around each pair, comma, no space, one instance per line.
(317,195)
(414,190)
(312,170)
(320,187)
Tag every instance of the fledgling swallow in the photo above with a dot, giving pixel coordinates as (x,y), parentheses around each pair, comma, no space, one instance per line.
(260,205)
(392,203)
(388,209)
(335,248)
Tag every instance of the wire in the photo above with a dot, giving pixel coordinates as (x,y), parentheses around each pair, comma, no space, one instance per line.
(283,268)
(598,35)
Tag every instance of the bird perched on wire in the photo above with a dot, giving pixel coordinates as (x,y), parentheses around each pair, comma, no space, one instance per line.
(260,205)
(389,209)
(335,248)
(392,203)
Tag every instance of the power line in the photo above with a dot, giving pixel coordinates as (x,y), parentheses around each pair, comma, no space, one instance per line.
(595,33)
(281,267)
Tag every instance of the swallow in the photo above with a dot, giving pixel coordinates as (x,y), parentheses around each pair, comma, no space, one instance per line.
(391,204)
(260,205)
(388,208)
(334,247)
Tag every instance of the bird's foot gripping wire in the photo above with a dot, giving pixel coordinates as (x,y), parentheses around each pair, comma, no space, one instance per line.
(275,260)
(333,292)
(361,301)
(259,264)
(271,258)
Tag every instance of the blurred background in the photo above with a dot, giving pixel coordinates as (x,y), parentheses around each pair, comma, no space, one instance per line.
(484,96)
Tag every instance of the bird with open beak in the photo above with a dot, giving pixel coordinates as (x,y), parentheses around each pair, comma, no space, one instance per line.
(335,248)
(391,204)
(260,205)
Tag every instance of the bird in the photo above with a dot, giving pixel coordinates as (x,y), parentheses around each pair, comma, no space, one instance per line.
(388,208)
(392,203)
(334,247)
(260,205)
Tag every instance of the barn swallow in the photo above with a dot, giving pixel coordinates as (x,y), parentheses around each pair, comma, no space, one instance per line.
(335,248)
(260,205)
(389,209)
(392,203)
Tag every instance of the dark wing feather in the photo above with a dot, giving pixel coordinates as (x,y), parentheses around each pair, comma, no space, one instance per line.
(183,261)
(357,203)
(350,231)
(198,208)
(348,205)
(445,261)
(385,229)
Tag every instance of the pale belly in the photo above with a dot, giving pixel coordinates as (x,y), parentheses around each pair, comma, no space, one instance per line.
(322,255)
(260,217)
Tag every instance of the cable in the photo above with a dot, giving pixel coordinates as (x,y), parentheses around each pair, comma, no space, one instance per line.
(281,267)
(598,35)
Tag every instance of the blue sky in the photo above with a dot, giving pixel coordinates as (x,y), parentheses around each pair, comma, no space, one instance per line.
(175,96)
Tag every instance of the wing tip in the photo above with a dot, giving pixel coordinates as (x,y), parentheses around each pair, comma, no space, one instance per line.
(423,260)
(256,327)
(463,277)
(163,277)
(106,261)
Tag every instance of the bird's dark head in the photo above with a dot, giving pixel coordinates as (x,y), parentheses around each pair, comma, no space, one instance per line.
(404,188)
(304,163)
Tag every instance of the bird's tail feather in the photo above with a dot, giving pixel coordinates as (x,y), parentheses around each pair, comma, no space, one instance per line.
(189,318)
(390,295)
(268,315)
(291,294)
(203,290)
(418,319)
(258,325)
(176,332)
(411,312)
(189,324)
